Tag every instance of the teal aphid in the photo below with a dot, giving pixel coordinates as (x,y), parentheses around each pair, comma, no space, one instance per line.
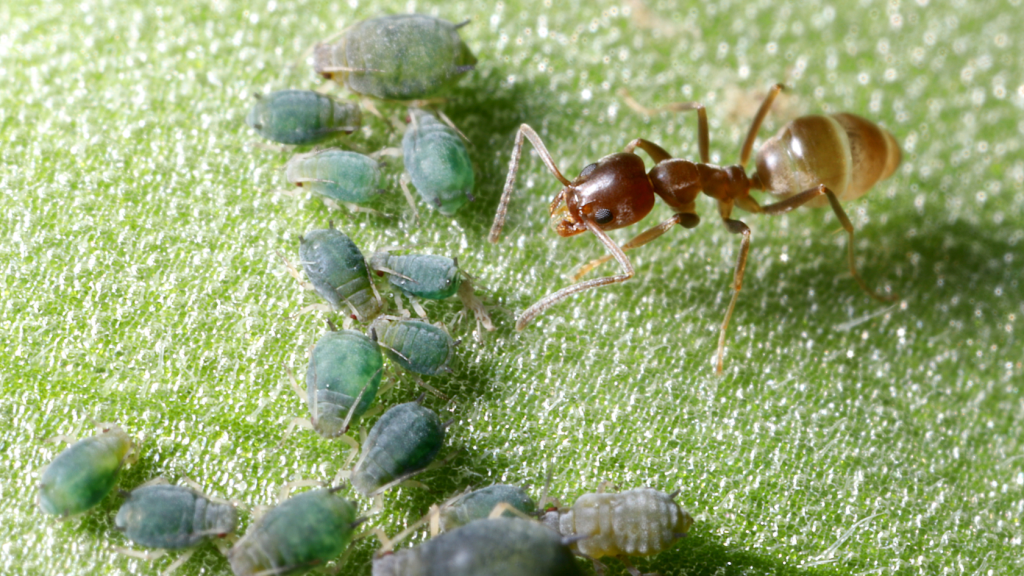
(302,117)
(336,174)
(336,269)
(404,441)
(480,503)
(402,57)
(173,517)
(343,365)
(421,275)
(438,163)
(299,534)
(505,546)
(81,476)
(417,346)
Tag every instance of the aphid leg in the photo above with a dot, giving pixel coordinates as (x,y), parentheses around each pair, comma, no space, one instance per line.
(67,439)
(435,520)
(147,556)
(431,389)
(501,507)
(474,304)
(287,488)
(755,125)
(404,478)
(736,227)
(513,168)
(684,219)
(294,273)
(552,299)
(604,485)
(378,505)
(353,208)
(452,125)
(633,570)
(159,481)
(403,182)
(386,544)
(177,563)
(599,567)
(417,308)
(401,309)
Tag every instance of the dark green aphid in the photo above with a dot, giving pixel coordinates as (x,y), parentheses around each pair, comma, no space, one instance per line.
(301,533)
(478,504)
(173,517)
(336,174)
(344,366)
(438,163)
(302,117)
(337,271)
(81,476)
(417,346)
(402,57)
(403,442)
(505,546)
(421,275)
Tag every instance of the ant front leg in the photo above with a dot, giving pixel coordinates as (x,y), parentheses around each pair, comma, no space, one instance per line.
(684,219)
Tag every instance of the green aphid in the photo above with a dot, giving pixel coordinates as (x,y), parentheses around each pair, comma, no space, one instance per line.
(403,442)
(172,517)
(297,535)
(302,117)
(417,346)
(421,275)
(336,269)
(81,476)
(337,174)
(478,504)
(505,546)
(344,366)
(438,162)
(402,57)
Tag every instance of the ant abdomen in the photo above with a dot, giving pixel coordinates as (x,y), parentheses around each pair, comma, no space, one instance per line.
(845,152)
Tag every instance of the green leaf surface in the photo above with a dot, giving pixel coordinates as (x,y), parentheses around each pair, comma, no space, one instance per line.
(141,282)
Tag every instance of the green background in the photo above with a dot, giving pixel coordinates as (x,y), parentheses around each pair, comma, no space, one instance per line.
(141,284)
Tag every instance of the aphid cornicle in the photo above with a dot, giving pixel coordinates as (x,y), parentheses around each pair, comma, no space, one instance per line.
(344,366)
(495,546)
(298,534)
(417,346)
(421,275)
(478,504)
(438,162)
(82,475)
(637,522)
(404,441)
(811,161)
(401,57)
(338,273)
(337,174)
(302,117)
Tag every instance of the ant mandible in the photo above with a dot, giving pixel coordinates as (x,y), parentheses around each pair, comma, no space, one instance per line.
(839,156)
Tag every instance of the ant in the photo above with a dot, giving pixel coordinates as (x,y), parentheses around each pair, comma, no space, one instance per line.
(813,160)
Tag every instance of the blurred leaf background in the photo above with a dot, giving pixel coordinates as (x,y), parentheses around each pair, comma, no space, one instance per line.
(141,282)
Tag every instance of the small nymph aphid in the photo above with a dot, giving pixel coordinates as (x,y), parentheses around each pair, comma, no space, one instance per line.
(417,346)
(82,475)
(302,117)
(437,162)
(478,504)
(336,269)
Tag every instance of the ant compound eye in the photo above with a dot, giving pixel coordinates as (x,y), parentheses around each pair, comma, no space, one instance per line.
(603,216)
(586,171)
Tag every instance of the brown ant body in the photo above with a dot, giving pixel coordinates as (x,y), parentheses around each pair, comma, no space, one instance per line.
(813,160)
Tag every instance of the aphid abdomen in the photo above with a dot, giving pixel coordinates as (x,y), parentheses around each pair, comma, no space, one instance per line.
(425,275)
(402,57)
(805,153)
(407,438)
(82,475)
(337,271)
(300,533)
(172,517)
(479,504)
(497,546)
(302,117)
(343,365)
(417,346)
(633,523)
(438,163)
(337,174)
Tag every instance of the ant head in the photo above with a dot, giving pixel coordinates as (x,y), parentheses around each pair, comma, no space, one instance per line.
(614,192)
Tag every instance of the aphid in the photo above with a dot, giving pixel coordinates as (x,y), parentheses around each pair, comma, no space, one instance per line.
(337,271)
(402,57)
(811,160)
(478,504)
(81,476)
(171,517)
(302,117)
(505,546)
(417,346)
(421,275)
(337,174)
(342,380)
(638,522)
(437,162)
(300,533)
(403,442)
